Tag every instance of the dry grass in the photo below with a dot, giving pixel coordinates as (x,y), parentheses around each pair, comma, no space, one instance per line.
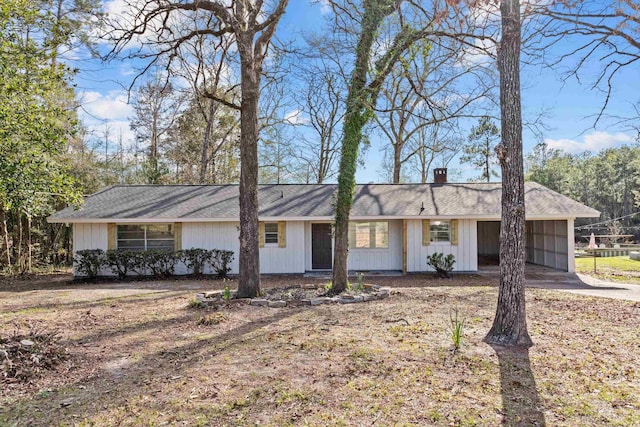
(140,356)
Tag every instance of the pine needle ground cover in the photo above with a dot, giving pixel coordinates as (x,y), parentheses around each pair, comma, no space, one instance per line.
(138,354)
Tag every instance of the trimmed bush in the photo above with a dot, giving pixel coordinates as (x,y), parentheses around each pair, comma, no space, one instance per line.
(196,259)
(121,262)
(442,264)
(161,263)
(89,262)
(219,261)
(156,263)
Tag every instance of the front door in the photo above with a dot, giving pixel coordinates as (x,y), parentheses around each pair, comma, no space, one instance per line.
(321,246)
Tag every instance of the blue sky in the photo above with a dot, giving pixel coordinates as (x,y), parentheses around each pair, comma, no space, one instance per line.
(570,107)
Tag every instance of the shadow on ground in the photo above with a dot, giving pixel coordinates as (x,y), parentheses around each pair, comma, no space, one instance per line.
(521,403)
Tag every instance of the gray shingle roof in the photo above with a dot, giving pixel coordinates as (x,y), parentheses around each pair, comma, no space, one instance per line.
(202,202)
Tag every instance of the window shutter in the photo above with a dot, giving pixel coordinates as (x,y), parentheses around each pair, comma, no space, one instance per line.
(426,232)
(177,236)
(111,236)
(261,234)
(454,232)
(282,234)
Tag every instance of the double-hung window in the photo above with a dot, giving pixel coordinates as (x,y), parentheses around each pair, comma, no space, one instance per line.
(271,233)
(369,235)
(141,237)
(440,231)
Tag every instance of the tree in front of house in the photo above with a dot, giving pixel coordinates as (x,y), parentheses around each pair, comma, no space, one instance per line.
(510,323)
(162,28)
(480,151)
(371,68)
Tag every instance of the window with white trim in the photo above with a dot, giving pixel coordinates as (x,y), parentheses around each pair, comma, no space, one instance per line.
(142,237)
(440,231)
(270,233)
(369,235)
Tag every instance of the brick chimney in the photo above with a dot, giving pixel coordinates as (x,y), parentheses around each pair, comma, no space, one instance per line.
(440,175)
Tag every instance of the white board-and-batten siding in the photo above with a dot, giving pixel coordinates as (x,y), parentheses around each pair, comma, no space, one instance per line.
(465,252)
(296,256)
(90,236)
(365,259)
(225,235)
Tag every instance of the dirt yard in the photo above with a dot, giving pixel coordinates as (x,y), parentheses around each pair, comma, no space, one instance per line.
(140,356)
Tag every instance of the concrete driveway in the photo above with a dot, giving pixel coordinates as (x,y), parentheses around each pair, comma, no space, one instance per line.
(586,285)
(547,278)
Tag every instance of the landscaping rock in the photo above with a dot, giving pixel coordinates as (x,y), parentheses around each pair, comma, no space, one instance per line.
(27,343)
(260,302)
(321,300)
(277,304)
(299,302)
(634,255)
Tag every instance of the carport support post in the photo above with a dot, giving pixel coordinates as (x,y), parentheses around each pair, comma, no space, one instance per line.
(571,246)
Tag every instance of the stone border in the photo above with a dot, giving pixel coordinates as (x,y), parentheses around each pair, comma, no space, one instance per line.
(375,292)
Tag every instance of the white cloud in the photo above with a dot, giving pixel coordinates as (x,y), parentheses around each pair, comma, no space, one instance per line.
(123,15)
(294,117)
(110,106)
(325,7)
(593,142)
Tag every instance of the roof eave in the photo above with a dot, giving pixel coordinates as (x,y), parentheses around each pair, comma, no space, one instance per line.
(487,217)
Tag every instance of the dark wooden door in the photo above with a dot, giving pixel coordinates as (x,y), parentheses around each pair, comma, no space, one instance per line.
(321,246)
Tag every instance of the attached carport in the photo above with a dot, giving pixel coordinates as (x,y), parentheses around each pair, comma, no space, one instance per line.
(547,242)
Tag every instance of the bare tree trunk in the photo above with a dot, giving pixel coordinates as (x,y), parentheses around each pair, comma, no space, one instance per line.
(26,235)
(249,277)
(510,324)
(4,232)
(397,160)
(18,255)
(487,162)
(206,142)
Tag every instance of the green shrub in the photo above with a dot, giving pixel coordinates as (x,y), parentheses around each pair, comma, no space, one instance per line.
(122,262)
(196,259)
(89,262)
(443,265)
(139,262)
(161,263)
(220,262)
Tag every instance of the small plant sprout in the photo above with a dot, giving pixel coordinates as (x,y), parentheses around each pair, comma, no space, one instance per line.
(328,286)
(195,303)
(360,282)
(226,294)
(456,328)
